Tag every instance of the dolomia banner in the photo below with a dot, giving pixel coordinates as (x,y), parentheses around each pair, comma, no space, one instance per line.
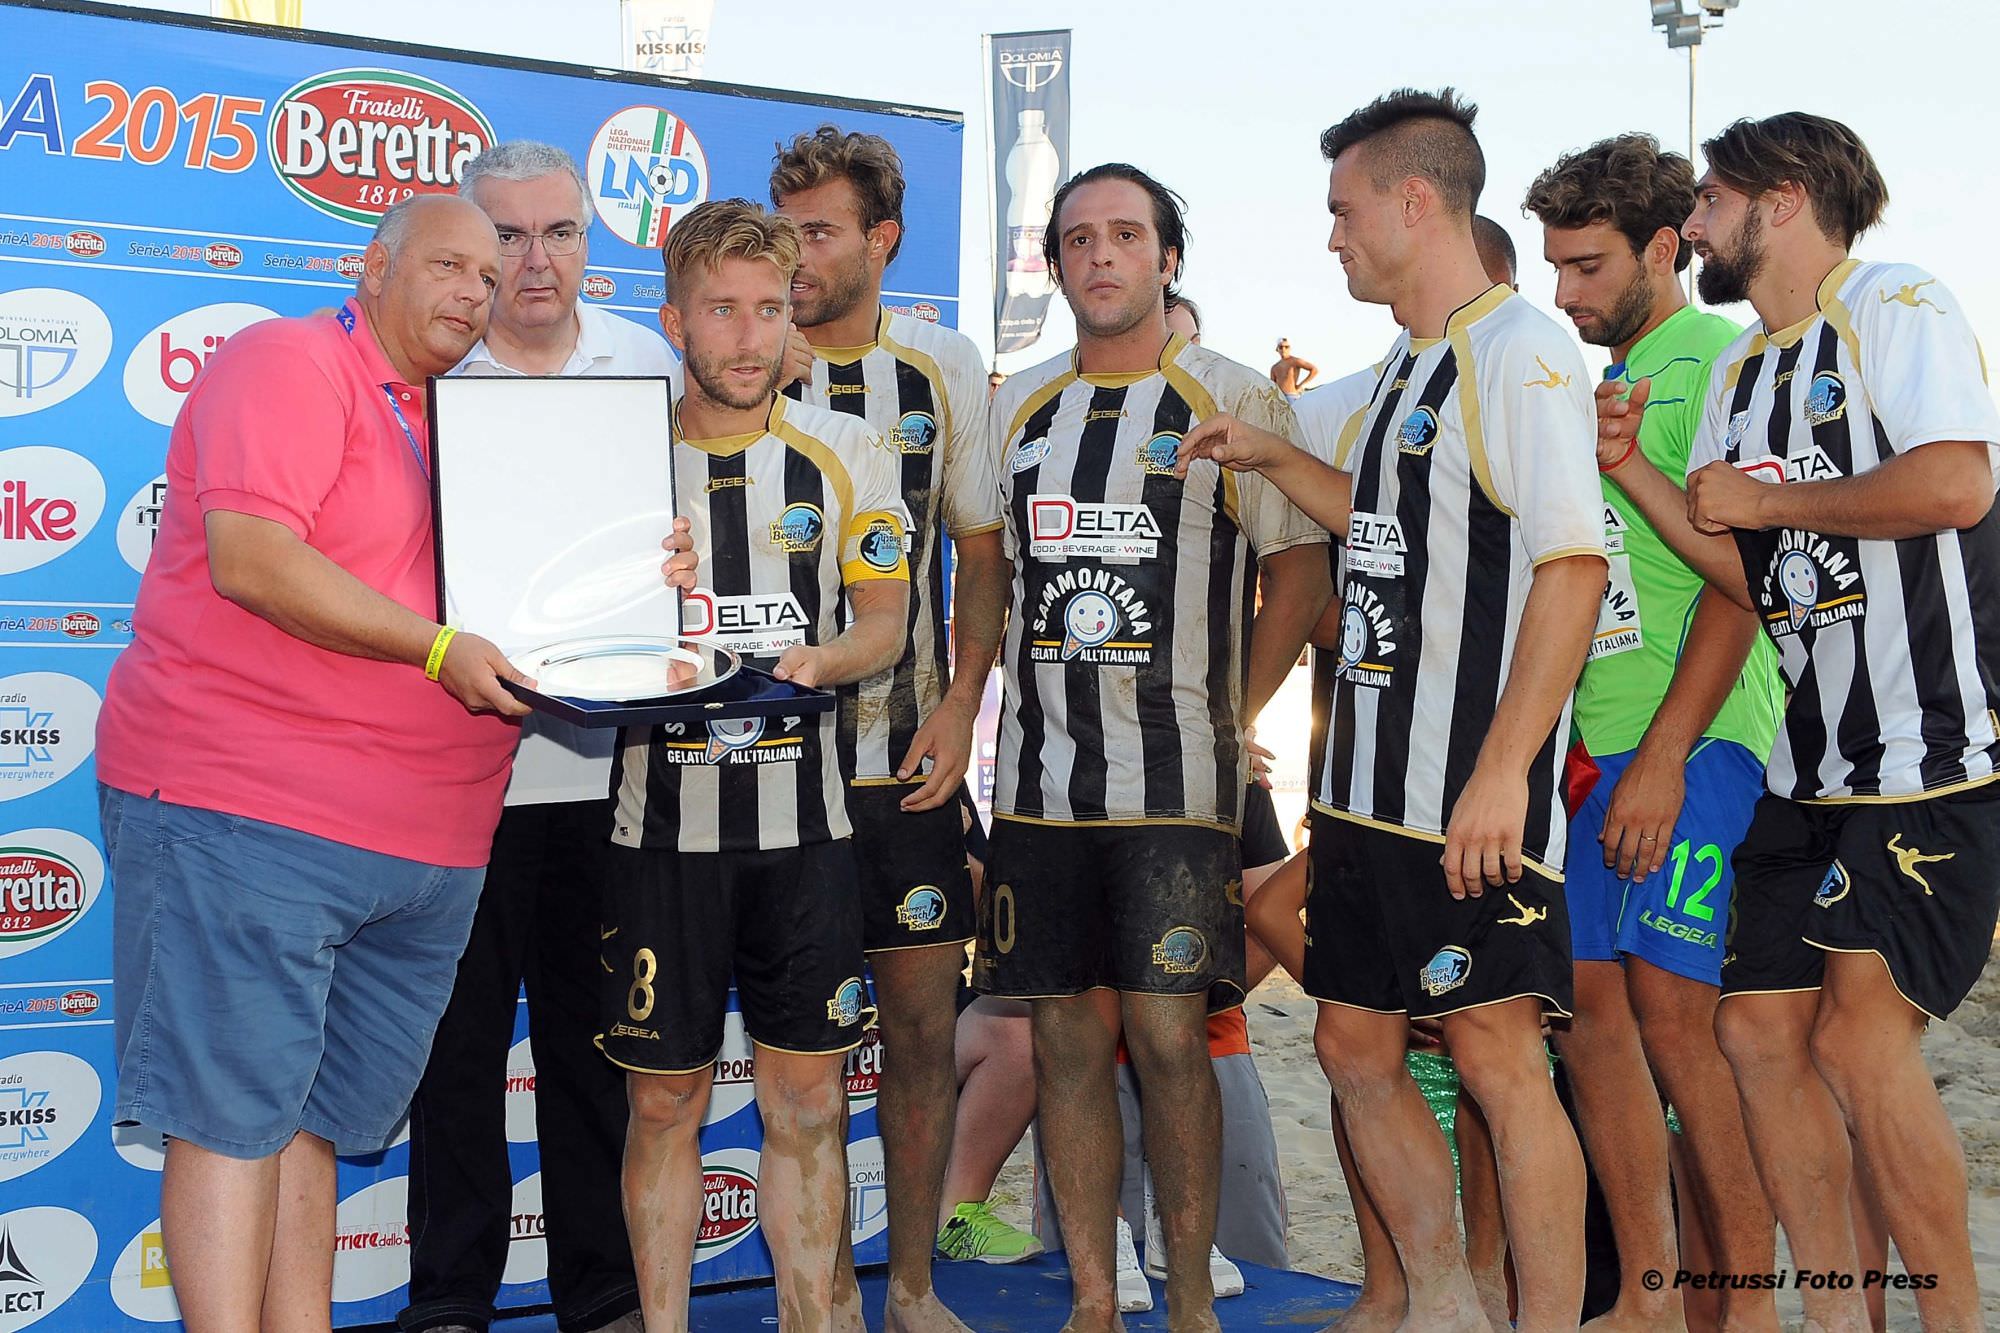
(171,181)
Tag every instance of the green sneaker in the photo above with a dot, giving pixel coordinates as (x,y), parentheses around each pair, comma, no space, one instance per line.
(975,1233)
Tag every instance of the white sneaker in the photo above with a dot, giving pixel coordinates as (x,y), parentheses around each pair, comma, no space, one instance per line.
(1134,1293)
(1225,1277)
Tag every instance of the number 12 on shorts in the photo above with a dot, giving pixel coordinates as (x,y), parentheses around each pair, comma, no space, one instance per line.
(1709,855)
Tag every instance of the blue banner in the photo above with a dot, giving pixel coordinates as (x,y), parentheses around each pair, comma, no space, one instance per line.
(165,182)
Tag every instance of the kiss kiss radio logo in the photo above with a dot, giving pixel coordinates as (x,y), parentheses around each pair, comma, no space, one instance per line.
(354,142)
(164,364)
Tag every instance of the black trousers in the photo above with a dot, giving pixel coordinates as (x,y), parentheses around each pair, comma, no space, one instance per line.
(537,922)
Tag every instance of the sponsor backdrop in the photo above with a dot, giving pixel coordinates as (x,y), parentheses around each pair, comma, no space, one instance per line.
(168,182)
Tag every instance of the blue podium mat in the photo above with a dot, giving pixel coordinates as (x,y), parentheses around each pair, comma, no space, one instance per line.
(1023,1298)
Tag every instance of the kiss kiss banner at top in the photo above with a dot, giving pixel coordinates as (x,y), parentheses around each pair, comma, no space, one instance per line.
(1027,74)
(165,182)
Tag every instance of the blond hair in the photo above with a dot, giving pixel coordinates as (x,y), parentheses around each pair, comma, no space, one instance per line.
(729,229)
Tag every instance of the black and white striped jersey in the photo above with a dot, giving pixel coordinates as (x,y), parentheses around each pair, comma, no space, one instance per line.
(1891,647)
(1330,419)
(1127,650)
(1474,463)
(923,389)
(784,520)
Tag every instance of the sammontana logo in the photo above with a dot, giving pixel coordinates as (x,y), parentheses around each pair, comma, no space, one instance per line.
(354,142)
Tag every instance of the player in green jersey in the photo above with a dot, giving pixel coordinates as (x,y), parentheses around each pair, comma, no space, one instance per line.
(1677,708)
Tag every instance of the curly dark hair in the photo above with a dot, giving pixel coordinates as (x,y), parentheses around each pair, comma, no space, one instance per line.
(1826,157)
(1413,133)
(868,162)
(1626,181)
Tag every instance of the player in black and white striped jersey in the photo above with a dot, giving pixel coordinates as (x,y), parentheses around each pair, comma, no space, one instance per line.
(905,735)
(731,856)
(1132,667)
(1841,487)
(1475,562)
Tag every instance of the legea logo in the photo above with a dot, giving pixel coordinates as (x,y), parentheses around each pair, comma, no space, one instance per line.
(45,1254)
(352,143)
(48,726)
(49,501)
(49,878)
(163,367)
(141,1284)
(47,1100)
(52,344)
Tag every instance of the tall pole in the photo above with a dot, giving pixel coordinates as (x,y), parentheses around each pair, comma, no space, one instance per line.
(1689,270)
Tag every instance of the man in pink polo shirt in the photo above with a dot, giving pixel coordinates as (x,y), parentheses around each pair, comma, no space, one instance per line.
(300,772)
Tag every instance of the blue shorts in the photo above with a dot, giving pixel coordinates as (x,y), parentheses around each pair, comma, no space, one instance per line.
(1678,920)
(267,981)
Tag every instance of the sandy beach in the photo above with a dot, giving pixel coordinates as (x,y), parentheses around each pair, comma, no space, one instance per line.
(1964,1056)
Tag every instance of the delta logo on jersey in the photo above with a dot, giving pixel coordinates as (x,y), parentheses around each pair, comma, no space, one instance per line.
(756,624)
(1446,971)
(1811,584)
(646,168)
(50,499)
(728,1201)
(353,143)
(1826,400)
(1375,545)
(914,433)
(1060,526)
(52,344)
(49,878)
(1103,621)
(1418,432)
(1368,637)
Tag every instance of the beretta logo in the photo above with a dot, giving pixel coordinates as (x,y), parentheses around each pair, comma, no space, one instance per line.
(79,1003)
(48,880)
(84,244)
(221,254)
(81,625)
(354,142)
(599,288)
(349,267)
(728,1201)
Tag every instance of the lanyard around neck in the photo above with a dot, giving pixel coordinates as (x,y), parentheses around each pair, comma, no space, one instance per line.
(346,317)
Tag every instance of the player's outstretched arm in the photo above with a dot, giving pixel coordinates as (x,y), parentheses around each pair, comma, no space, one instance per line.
(1296,587)
(980,572)
(1659,497)
(872,641)
(1322,492)
(1483,837)
(1646,802)
(1934,488)
(1273,915)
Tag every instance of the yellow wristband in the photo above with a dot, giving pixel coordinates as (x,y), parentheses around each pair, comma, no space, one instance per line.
(439,646)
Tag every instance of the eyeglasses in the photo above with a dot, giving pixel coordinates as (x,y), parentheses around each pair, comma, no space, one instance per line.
(556,242)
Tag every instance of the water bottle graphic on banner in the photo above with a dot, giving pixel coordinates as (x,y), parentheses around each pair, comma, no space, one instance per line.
(1033,172)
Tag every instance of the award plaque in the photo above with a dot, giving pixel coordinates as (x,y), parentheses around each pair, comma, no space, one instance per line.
(550,497)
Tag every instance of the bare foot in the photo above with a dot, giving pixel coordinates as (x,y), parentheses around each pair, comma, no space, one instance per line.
(1370,1313)
(919,1314)
(847,1317)
(1093,1321)
(1451,1314)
